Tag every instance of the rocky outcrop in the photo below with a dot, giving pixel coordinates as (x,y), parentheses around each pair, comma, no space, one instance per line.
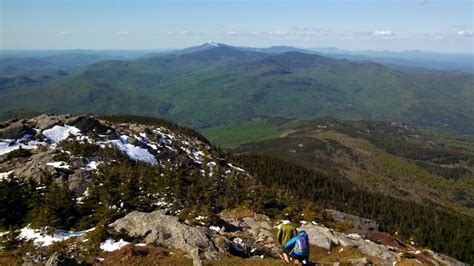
(46,121)
(326,238)
(252,233)
(441,259)
(166,231)
(321,236)
(360,224)
(88,124)
(86,143)
(16,130)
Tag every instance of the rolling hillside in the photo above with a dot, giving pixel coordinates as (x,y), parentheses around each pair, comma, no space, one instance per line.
(390,158)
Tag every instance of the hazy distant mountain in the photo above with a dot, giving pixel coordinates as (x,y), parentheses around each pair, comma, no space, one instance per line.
(44,62)
(407,59)
(277,49)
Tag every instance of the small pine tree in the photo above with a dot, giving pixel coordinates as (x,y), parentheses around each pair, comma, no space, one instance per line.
(58,209)
(12,208)
(11,241)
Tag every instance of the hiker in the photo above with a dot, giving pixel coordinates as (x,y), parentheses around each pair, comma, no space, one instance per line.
(285,233)
(297,248)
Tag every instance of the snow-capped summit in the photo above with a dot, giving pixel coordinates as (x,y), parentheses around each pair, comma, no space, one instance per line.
(202,47)
(211,44)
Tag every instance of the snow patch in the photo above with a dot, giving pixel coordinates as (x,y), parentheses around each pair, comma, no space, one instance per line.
(9,145)
(60,165)
(195,155)
(210,43)
(42,238)
(211,166)
(5,175)
(198,218)
(80,200)
(354,236)
(236,168)
(135,153)
(59,133)
(92,165)
(111,245)
(214,228)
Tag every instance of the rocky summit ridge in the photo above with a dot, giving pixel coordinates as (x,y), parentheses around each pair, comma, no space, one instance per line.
(42,137)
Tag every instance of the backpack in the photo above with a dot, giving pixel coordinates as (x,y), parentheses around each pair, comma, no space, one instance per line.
(301,245)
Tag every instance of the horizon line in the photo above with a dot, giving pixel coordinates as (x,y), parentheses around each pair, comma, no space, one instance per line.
(238,46)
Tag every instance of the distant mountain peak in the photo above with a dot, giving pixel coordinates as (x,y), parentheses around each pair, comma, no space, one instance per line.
(211,44)
(201,47)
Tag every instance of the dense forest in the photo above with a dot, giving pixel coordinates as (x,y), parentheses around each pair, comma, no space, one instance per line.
(429,225)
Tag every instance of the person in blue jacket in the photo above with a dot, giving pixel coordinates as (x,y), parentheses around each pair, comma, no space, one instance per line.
(297,248)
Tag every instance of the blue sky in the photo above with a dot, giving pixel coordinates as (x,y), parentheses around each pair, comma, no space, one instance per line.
(437,25)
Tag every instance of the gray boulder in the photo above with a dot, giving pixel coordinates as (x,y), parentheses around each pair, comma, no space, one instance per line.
(16,130)
(320,236)
(375,250)
(254,229)
(360,224)
(163,230)
(324,237)
(35,167)
(46,121)
(79,180)
(88,124)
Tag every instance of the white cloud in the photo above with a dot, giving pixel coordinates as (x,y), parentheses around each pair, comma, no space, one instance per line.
(277,33)
(230,33)
(122,33)
(65,32)
(465,33)
(383,33)
(357,34)
(302,28)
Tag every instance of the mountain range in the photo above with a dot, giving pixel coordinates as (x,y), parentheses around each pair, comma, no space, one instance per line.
(216,84)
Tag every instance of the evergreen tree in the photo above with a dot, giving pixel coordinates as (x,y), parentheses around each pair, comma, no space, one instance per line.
(12,208)
(58,208)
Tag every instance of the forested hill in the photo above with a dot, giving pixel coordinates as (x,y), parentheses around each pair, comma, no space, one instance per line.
(388,157)
(216,84)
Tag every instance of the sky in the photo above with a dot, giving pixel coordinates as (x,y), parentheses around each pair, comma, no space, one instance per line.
(397,25)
